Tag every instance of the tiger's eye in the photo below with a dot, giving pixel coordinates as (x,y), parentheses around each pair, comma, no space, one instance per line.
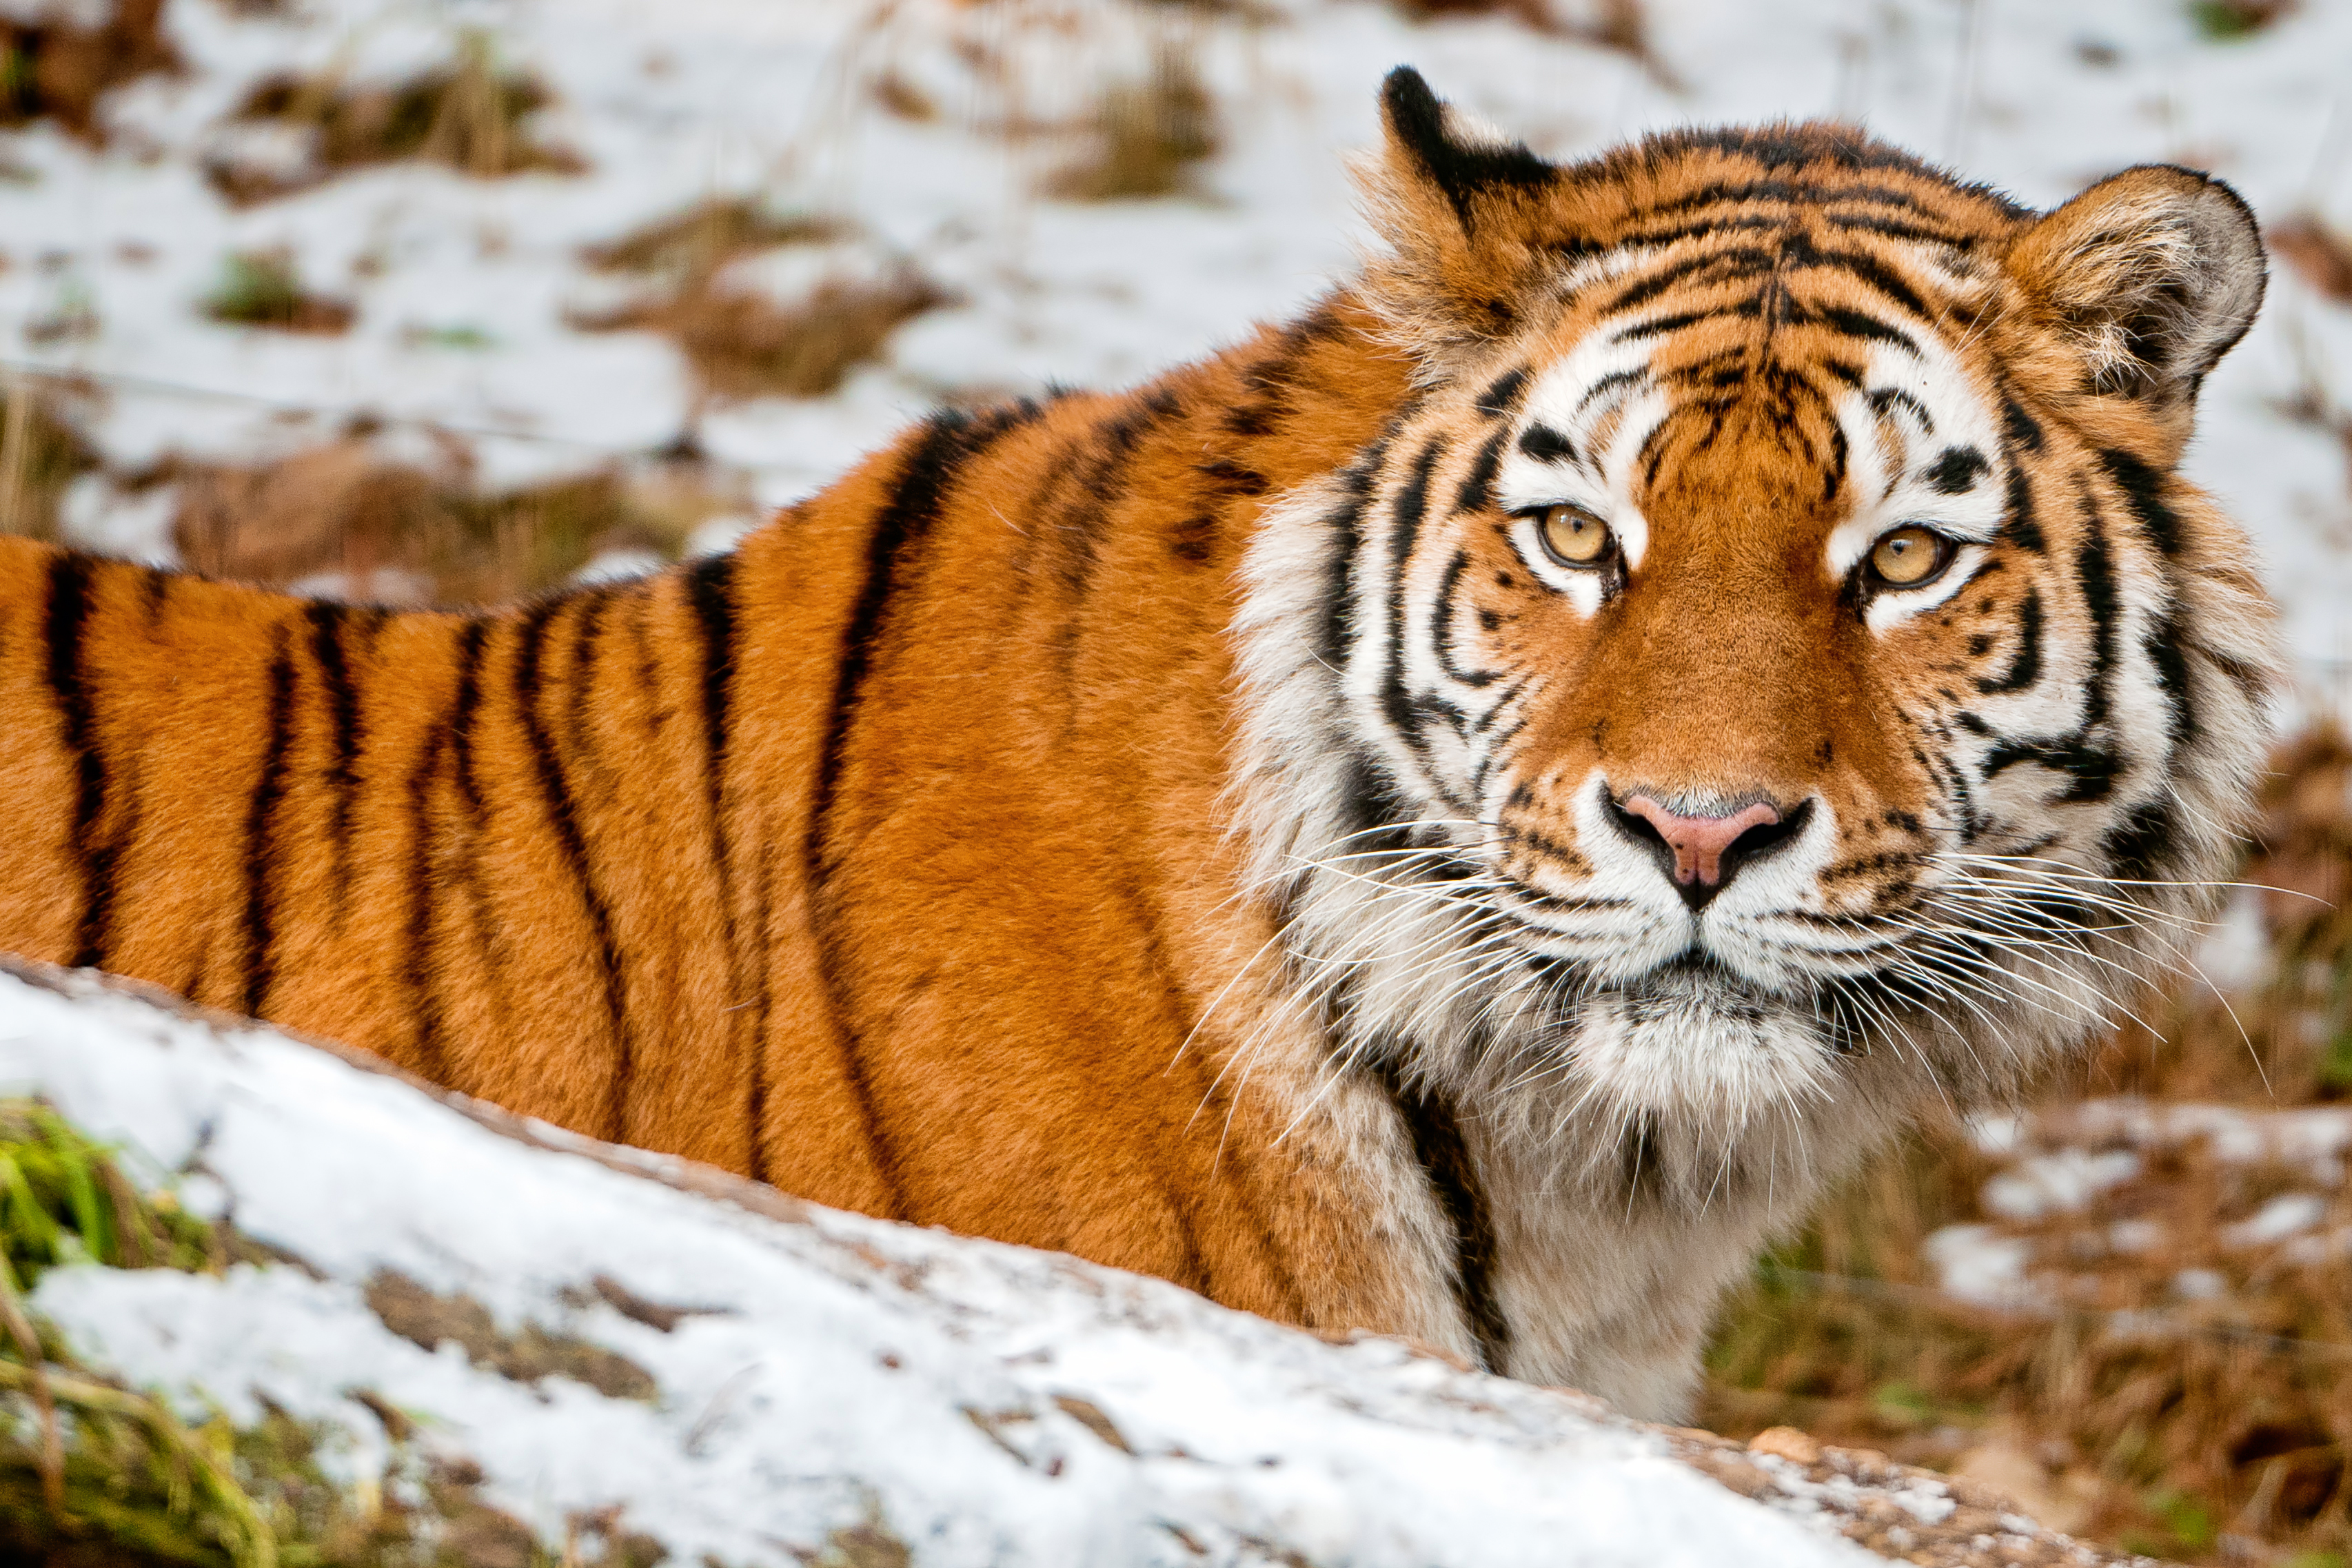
(1910,556)
(1573,534)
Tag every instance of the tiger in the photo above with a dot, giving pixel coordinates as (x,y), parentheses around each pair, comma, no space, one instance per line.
(1457,816)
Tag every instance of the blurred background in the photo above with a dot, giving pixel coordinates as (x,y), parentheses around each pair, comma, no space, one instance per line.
(439,301)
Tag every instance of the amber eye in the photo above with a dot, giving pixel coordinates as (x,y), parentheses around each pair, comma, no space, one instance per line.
(1909,557)
(1573,535)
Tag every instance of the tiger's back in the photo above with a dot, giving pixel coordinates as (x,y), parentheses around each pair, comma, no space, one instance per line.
(715,863)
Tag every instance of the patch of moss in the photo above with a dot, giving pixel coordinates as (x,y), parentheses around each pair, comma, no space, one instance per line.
(2226,19)
(260,288)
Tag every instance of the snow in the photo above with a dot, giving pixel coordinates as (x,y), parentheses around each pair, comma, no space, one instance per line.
(464,286)
(2055,1183)
(838,1371)
(1977,1263)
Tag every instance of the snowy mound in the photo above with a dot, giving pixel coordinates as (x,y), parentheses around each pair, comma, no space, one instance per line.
(705,1363)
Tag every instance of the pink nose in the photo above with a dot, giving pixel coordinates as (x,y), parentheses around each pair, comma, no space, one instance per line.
(1698,842)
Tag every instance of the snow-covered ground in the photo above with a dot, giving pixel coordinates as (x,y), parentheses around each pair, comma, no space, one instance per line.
(978,1403)
(464,286)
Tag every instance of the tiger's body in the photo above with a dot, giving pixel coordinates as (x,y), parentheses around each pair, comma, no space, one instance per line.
(1215,832)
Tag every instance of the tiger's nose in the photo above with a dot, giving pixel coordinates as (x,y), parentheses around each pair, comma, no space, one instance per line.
(1706,851)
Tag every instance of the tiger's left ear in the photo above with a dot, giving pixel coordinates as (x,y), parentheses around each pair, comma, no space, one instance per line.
(1464,213)
(2152,275)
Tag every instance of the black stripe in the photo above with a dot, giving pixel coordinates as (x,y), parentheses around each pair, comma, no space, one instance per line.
(1442,613)
(2167,651)
(467,872)
(1799,252)
(2092,765)
(1276,373)
(555,796)
(1794,192)
(2017,524)
(2020,426)
(2143,489)
(1884,398)
(1895,229)
(901,523)
(68,609)
(1406,515)
(420,971)
(1104,484)
(1435,1133)
(461,711)
(2102,602)
(1855,323)
(1709,228)
(1611,383)
(1746,261)
(2140,845)
(1347,521)
(1477,491)
(343,738)
(711,588)
(260,849)
(1545,445)
(1659,325)
(2025,668)
(1502,396)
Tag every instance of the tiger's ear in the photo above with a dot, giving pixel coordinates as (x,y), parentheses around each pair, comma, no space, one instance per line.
(2151,275)
(1463,212)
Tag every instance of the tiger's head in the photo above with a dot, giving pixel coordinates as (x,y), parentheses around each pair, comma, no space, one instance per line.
(1770,668)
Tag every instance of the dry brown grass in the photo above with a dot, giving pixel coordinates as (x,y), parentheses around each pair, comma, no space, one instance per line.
(1620,24)
(470,116)
(2321,254)
(740,342)
(50,70)
(399,533)
(40,453)
(707,235)
(262,288)
(1145,138)
(2205,1429)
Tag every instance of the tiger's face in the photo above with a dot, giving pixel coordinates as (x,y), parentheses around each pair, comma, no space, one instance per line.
(1774,660)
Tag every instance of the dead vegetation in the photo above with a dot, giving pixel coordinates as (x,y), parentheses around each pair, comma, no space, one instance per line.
(2183,1390)
(741,342)
(1623,26)
(471,115)
(50,69)
(699,241)
(40,455)
(1145,138)
(262,288)
(344,521)
(2320,255)
(2225,19)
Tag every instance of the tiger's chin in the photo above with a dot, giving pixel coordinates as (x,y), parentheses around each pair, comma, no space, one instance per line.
(1693,1044)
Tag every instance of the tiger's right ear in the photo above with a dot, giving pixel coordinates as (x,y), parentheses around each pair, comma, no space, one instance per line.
(1463,212)
(2149,277)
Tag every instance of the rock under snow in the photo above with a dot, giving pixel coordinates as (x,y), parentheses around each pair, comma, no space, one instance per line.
(760,1380)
